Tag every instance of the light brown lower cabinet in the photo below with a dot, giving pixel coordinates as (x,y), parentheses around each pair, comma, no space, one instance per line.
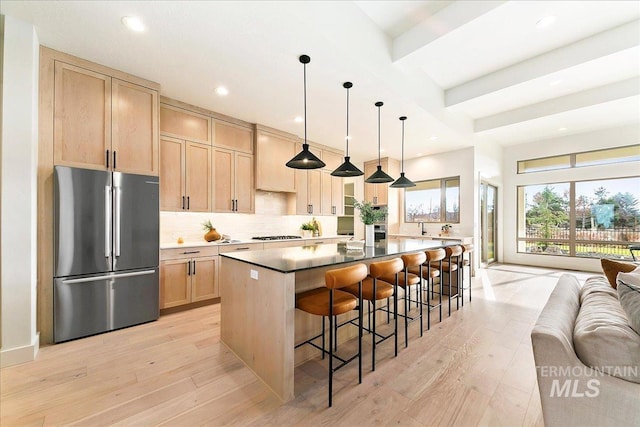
(187,280)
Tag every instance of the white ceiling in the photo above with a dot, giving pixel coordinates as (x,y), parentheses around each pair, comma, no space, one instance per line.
(463,71)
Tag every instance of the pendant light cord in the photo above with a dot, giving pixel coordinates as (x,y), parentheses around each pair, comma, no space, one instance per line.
(304,67)
(347,122)
(403,146)
(378,136)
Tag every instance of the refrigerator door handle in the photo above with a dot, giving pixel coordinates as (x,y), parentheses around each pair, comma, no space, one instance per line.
(107,221)
(117,209)
(108,276)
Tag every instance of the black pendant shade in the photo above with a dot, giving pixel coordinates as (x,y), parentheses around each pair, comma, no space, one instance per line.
(403,181)
(347,168)
(305,159)
(379,176)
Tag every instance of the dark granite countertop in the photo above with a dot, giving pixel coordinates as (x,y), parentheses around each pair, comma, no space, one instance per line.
(289,260)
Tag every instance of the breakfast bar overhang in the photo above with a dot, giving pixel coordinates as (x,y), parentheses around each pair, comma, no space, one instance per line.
(258,320)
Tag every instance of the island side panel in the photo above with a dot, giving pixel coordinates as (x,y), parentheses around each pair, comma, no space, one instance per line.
(257,321)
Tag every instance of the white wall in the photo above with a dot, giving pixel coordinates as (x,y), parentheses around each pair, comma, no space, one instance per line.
(18,269)
(453,163)
(614,137)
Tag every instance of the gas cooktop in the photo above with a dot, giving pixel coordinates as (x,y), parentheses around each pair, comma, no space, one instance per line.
(276,237)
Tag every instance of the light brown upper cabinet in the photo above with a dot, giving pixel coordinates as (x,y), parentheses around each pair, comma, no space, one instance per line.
(273,150)
(180,123)
(185,170)
(332,160)
(337,196)
(232,136)
(378,194)
(233,181)
(308,191)
(104,123)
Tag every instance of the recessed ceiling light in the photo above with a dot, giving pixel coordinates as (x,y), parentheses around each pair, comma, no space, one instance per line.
(561,129)
(298,119)
(222,91)
(433,138)
(555,82)
(545,22)
(133,23)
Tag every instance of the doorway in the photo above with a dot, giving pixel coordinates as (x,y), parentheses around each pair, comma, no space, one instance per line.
(488,223)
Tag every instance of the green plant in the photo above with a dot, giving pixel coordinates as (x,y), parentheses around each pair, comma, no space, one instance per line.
(310,226)
(368,213)
(207,225)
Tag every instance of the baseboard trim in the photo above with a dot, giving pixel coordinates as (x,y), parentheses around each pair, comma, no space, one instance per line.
(19,355)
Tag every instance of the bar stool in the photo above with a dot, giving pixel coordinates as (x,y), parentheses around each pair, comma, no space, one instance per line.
(329,302)
(466,249)
(429,274)
(453,257)
(405,281)
(375,289)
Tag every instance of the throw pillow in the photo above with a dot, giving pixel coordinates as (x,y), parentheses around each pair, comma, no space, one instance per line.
(611,268)
(629,296)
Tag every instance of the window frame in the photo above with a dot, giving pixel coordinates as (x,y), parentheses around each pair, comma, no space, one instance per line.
(443,201)
(573,162)
(572,241)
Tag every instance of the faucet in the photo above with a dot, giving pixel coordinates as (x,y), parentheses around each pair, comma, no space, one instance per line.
(422,228)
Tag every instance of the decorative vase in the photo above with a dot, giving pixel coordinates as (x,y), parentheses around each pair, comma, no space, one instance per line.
(212,235)
(369,239)
(307,233)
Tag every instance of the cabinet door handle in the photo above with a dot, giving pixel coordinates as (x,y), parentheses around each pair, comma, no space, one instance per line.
(242,249)
(233,205)
(191,252)
(114,159)
(375,200)
(107,156)
(319,243)
(188,268)
(194,267)
(188,203)
(333,210)
(236,205)
(183,202)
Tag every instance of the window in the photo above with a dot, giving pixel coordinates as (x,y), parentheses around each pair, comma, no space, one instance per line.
(585,218)
(436,200)
(630,153)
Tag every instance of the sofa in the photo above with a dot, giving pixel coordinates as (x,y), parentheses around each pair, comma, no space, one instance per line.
(587,363)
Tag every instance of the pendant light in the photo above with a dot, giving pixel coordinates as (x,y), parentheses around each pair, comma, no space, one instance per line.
(305,159)
(379,176)
(347,168)
(402,182)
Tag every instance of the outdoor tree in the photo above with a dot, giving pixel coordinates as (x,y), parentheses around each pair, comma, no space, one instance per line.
(548,212)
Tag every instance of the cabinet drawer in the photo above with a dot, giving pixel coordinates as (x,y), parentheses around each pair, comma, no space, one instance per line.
(285,244)
(188,252)
(240,247)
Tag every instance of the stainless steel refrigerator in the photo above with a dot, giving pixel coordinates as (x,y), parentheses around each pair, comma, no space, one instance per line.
(106,251)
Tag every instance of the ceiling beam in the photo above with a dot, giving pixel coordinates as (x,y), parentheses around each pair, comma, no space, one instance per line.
(574,101)
(602,44)
(436,26)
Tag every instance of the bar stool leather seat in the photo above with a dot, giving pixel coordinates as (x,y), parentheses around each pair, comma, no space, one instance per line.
(412,279)
(316,301)
(383,289)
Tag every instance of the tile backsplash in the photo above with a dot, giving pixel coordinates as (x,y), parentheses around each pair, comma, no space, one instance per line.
(270,219)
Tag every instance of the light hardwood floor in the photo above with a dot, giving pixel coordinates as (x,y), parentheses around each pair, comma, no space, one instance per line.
(474,368)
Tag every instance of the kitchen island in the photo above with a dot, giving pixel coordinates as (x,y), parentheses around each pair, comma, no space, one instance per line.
(259,322)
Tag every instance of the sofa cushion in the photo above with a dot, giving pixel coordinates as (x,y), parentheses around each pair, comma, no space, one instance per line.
(611,268)
(629,295)
(602,336)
